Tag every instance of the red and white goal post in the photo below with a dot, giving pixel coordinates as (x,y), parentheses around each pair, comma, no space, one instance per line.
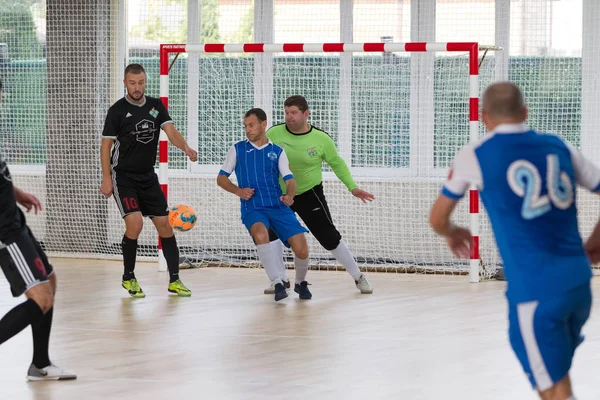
(471,48)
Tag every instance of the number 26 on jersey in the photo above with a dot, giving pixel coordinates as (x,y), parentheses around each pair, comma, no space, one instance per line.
(525,181)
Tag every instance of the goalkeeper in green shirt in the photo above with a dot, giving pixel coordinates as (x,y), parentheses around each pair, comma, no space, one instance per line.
(307,147)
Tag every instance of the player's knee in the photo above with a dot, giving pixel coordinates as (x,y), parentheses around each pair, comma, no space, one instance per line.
(259,233)
(43,297)
(300,246)
(261,236)
(47,303)
(133,232)
(162,226)
(302,252)
(330,242)
(133,225)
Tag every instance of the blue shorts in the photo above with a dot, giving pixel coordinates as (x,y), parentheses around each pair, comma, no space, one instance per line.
(544,334)
(282,220)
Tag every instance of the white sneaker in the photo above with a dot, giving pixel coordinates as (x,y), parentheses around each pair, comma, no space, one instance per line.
(50,373)
(363,285)
(271,288)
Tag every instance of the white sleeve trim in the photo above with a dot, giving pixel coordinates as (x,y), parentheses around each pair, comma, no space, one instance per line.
(230,160)
(284,164)
(587,174)
(465,172)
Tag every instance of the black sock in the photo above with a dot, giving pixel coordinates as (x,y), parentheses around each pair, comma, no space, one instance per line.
(129,247)
(41,338)
(18,318)
(171,253)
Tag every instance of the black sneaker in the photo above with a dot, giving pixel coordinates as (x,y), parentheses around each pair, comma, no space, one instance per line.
(280,292)
(302,290)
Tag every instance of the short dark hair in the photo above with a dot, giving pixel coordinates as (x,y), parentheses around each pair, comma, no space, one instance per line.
(134,69)
(298,101)
(258,112)
(503,100)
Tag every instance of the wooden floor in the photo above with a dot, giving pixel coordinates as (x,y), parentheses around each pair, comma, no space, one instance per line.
(417,337)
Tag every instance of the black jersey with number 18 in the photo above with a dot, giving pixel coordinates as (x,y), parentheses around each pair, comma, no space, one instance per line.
(135,128)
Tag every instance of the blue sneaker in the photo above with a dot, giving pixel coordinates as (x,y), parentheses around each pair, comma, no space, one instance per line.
(302,290)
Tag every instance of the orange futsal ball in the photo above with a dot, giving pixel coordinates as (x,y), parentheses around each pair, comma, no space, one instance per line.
(182,217)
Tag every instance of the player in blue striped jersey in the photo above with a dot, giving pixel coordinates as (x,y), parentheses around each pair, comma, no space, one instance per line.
(527,184)
(258,164)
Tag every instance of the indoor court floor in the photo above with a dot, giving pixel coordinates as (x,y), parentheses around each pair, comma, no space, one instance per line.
(417,337)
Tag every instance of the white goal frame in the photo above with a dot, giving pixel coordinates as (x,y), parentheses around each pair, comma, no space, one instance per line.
(472,48)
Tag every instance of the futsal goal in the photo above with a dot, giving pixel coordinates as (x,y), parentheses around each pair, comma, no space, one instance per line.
(398,112)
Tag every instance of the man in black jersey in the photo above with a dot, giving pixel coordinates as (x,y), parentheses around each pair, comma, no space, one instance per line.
(131,129)
(28,271)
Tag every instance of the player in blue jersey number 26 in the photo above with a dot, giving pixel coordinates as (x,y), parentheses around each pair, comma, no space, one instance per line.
(527,183)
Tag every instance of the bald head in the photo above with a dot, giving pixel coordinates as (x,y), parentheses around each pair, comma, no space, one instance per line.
(503,104)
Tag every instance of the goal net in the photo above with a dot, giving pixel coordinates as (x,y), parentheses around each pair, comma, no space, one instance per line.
(397,117)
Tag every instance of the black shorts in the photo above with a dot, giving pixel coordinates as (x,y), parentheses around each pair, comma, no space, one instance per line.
(23,262)
(139,193)
(312,208)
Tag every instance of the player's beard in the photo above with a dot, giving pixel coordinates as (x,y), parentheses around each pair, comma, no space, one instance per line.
(138,97)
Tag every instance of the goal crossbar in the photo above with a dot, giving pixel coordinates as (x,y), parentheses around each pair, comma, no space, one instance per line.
(472,48)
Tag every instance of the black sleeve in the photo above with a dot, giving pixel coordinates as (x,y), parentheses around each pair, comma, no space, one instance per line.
(163,114)
(111,125)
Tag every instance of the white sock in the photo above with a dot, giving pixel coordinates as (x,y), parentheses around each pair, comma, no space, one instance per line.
(301,267)
(268,258)
(344,257)
(277,248)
